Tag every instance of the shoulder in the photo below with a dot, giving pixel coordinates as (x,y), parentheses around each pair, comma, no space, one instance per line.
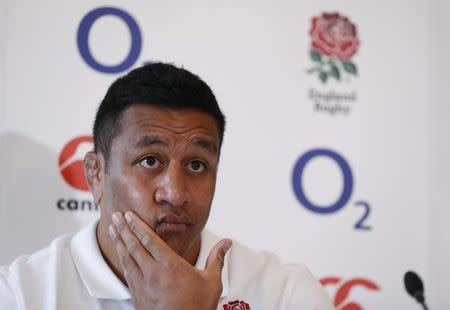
(29,273)
(245,263)
(41,260)
(270,284)
(7,295)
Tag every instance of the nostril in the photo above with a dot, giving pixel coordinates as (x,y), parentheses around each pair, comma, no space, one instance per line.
(160,196)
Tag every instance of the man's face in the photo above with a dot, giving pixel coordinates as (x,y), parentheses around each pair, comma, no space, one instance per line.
(163,166)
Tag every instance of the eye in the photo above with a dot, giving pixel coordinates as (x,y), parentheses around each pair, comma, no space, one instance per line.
(149,162)
(196,166)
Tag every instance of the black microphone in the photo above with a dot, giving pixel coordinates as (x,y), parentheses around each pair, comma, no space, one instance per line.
(414,287)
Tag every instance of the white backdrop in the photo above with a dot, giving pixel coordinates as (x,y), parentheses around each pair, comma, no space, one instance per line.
(439,249)
(255,55)
(3,32)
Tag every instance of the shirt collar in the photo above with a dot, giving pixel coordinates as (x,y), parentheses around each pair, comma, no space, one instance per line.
(97,276)
(209,240)
(100,280)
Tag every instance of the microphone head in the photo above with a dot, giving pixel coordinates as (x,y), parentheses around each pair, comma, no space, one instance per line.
(414,285)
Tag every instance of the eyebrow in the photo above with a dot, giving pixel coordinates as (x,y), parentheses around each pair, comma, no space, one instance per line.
(208,145)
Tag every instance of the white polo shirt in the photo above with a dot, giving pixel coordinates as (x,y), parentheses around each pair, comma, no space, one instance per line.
(71,274)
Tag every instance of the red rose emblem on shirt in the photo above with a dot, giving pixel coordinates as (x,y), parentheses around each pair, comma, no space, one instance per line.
(333,37)
(236,305)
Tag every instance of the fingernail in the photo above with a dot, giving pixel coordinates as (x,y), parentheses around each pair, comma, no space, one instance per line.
(112,231)
(227,246)
(128,216)
(115,218)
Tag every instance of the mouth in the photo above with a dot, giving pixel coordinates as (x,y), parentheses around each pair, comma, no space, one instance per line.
(171,223)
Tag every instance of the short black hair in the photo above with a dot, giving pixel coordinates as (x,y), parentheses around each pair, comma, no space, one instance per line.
(157,84)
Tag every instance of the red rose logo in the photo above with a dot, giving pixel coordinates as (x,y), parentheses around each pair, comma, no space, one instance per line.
(333,37)
(236,305)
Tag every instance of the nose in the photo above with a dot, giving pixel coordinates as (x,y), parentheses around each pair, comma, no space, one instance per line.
(172,187)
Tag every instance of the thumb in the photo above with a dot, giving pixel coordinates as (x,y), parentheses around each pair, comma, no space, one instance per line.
(216,257)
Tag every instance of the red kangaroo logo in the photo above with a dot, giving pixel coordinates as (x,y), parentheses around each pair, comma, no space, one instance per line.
(344,290)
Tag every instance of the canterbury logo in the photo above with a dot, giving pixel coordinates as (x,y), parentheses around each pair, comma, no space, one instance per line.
(344,290)
(71,161)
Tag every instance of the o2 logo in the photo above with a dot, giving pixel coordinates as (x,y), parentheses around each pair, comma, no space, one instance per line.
(83,38)
(298,185)
(344,290)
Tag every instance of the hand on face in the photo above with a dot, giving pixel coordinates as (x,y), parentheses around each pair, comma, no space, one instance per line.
(161,170)
(158,278)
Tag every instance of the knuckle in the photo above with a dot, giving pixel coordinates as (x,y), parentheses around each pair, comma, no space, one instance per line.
(130,280)
(168,264)
(133,247)
(132,224)
(124,260)
(127,276)
(120,227)
(220,259)
(114,236)
(146,241)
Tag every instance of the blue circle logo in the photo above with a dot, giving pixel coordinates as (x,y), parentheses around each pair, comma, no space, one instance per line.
(297,181)
(83,35)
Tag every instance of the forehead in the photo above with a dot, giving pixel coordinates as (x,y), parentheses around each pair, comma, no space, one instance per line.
(140,120)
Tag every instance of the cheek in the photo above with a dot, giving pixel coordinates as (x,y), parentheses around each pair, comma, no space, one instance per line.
(202,196)
(128,194)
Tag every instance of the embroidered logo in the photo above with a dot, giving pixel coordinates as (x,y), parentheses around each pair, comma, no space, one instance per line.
(334,41)
(236,305)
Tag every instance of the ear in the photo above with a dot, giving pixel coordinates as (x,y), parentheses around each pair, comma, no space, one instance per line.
(94,172)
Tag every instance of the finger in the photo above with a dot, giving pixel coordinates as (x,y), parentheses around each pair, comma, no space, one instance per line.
(132,243)
(216,258)
(148,238)
(131,270)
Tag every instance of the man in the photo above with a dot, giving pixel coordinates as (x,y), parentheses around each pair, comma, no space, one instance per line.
(157,139)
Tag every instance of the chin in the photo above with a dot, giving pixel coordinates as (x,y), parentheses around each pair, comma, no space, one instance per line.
(178,246)
(181,246)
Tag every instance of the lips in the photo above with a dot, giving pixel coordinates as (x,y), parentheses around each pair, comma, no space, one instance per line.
(171,223)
